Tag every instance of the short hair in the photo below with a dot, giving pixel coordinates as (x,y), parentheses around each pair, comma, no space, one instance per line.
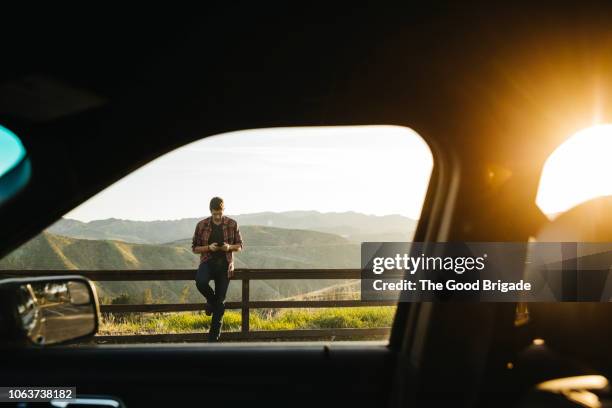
(216,203)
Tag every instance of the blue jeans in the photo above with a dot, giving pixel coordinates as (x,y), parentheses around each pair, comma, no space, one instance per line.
(214,269)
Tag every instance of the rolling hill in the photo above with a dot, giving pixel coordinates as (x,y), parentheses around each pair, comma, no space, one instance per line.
(265,247)
(351,225)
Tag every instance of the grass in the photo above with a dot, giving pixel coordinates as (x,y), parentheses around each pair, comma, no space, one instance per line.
(286,319)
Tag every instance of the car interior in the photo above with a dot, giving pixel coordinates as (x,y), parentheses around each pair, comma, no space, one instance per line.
(492,89)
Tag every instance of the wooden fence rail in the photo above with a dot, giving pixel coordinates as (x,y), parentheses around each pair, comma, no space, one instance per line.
(245,305)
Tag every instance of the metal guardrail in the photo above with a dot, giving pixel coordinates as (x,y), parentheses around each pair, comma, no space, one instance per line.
(244,275)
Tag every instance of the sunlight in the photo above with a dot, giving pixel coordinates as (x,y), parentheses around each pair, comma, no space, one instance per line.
(577,171)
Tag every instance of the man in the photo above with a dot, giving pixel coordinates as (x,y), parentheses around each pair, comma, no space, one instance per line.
(216,238)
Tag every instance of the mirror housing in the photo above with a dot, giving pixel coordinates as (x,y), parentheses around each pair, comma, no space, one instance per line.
(47,310)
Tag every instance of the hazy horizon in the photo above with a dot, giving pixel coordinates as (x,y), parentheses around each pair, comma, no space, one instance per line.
(243,214)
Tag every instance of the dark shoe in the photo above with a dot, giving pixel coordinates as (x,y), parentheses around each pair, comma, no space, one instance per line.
(214,333)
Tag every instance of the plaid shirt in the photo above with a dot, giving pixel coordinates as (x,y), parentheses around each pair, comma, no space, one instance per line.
(231,235)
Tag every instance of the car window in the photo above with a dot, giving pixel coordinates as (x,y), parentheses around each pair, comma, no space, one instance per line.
(577,171)
(299,201)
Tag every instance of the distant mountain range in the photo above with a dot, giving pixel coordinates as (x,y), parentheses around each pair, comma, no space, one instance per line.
(353,226)
(294,239)
(265,247)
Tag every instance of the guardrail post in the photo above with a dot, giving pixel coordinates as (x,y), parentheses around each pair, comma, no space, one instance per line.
(245,305)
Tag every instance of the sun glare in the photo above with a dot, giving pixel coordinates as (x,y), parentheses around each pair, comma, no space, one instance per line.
(578,170)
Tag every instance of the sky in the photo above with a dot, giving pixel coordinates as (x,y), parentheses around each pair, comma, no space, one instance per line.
(378,170)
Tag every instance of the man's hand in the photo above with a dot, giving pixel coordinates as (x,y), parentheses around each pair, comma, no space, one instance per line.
(213,247)
(225,247)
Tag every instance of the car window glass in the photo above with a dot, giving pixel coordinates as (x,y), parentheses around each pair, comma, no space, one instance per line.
(304,200)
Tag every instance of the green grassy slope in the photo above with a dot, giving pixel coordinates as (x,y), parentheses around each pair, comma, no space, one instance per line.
(265,247)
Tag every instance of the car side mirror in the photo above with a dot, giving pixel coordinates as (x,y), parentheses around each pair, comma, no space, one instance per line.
(47,310)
